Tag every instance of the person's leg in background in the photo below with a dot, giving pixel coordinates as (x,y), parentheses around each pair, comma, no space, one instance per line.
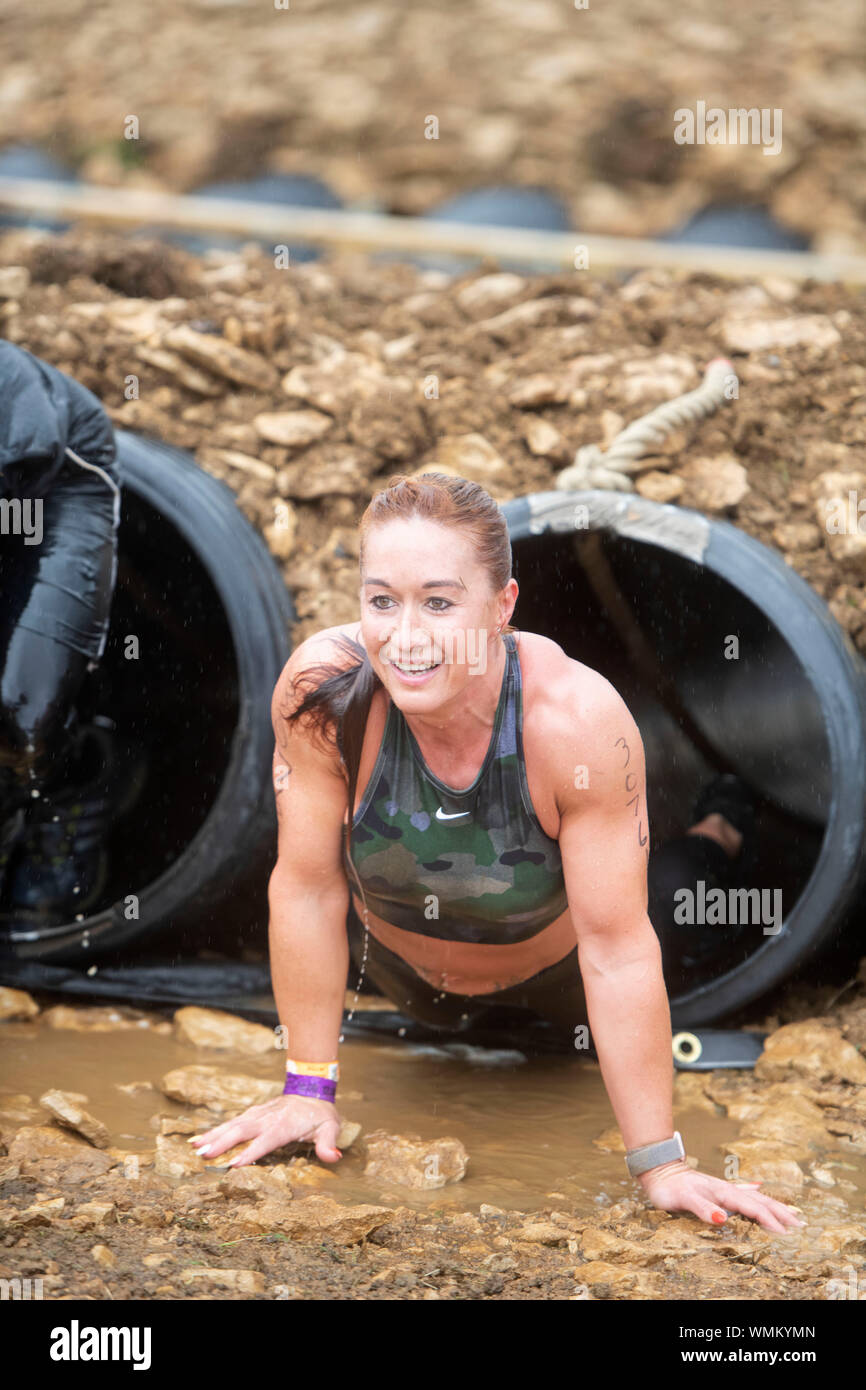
(57,601)
(718,851)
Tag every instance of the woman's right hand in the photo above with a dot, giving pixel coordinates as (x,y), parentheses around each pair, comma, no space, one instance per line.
(271,1125)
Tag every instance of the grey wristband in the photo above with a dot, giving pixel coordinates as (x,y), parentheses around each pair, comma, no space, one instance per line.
(652,1155)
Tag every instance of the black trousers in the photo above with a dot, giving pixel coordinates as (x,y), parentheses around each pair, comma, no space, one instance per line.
(556,993)
(54,618)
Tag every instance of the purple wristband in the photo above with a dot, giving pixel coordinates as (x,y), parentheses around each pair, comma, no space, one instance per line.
(319,1087)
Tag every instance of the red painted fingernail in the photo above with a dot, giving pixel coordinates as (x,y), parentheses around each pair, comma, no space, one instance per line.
(719,1218)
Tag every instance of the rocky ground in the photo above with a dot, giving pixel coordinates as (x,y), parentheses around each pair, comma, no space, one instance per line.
(307,388)
(576,99)
(98,1221)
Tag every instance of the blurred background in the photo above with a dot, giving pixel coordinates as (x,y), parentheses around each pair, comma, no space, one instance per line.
(534,93)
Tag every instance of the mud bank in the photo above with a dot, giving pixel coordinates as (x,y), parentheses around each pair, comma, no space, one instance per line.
(305,389)
(579,100)
(101,1197)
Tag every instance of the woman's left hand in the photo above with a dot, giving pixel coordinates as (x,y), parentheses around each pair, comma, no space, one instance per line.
(677,1187)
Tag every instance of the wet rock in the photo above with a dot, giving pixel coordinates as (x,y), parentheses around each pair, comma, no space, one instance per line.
(93,1214)
(600,1275)
(47,1152)
(410,1161)
(794,1121)
(610,1140)
(217,1090)
(714,484)
(313,1218)
(811,1049)
(211,1028)
(766,1160)
(349,1132)
(44,1212)
(156,1260)
(690,1092)
(303,1173)
(542,1233)
(236,1280)
(100,1019)
(132,1088)
(847,1239)
(176,1159)
(65,1107)
(293,429)
(252,1183)
(753,334)
(16,1003)
(222,358)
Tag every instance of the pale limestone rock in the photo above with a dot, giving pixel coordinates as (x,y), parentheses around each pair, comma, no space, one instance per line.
(542,438)
(293,429)
(410,1161)
(813,1050)
(658,486)
(312,1218)
(16,1003)
(224,359)
(489,292)
(752,334)
(45,1151)
(14,280)
(176,1159)
(237,1280)
(65,1107)
(714,484)
(218,1090)
(212,1028)
(472,456)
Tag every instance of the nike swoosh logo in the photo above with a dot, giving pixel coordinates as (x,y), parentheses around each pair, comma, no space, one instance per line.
(443,815)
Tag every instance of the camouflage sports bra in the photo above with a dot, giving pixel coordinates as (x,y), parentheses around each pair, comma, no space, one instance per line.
(461,865)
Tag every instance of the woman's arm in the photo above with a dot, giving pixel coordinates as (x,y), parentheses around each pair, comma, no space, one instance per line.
(308,898)
(604,840)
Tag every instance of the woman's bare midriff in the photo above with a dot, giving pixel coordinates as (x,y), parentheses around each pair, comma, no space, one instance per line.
(464,967)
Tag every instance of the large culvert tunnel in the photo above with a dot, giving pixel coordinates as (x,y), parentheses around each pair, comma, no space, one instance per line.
(652,596)
(199,634)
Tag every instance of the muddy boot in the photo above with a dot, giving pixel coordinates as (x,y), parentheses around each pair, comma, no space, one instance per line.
(59,868)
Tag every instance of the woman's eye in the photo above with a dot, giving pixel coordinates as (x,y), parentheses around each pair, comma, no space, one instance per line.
(445,601)
(375,599)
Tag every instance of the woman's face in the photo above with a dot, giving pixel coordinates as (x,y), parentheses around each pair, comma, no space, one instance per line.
(426,602)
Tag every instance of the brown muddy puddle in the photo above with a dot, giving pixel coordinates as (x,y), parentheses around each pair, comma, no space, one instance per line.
(528,1125)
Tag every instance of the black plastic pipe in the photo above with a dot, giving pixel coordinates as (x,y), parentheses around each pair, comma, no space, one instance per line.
(652,596)
(199,591)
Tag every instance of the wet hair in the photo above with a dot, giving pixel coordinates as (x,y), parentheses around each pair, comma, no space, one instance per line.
(339,702)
